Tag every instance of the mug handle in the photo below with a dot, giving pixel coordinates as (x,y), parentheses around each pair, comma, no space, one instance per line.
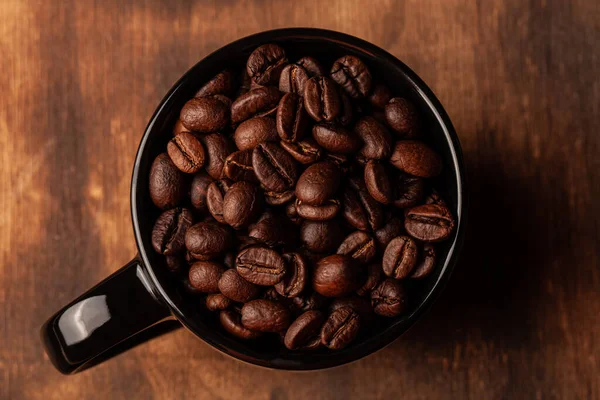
(120,312)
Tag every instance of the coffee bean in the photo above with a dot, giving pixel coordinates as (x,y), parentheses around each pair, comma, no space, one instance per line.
(292,79)
(242,204)
(337,275)
(265,64)
(335,138)
(189,289)
(429,222)
(174,263)
(318,183)
(205,275)
(254,131)
(265,316)
(380,96)
(205,114)
(305,152)
(377,141)
(374,273)
(352,75)
(359,208)
(318,213)
(279,198)
(238,167)
(340,328)
(307,302)
(408,190)
(402,117)
(435,198)
(291,119)
(229,260)
(260,265)
(358,245)
(222,83)
(199,190)
(347,110)
(341,160)
(271,230)
(236,288)
(305,331)
(215,195)
(361,305)
(216,302)
(321,236)
(254,103)
(217,147)
(294,281)
(389,298)
(232,323)
(392,228)
(378,183)
(416,158)
(292,213)
(400,257)
(426,262)
(321,99)
(168,234)
(186,152)
(167,184)
(206,240)
(275,169)
(312,66)
(179,128)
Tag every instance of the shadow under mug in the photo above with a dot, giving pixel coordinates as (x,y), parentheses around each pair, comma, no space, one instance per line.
(143,299)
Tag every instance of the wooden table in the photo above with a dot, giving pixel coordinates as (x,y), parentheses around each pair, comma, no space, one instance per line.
(521,316)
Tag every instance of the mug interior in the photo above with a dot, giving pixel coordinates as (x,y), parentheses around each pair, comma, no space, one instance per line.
(326,46)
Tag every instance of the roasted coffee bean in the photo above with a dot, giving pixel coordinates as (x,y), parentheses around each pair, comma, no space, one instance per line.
(321,236)
(374,274)
(222,83)
(279,198)
(318,183)
(254,131)
(215,195)
(335,138)
(271,294)
(402,117)
(296,276)
(217,302)
(377,141)
(307,302)
(312,66)
(305,331)
(265,64)
(189,289)
(260,265)
(337,275)
(242,204)
(426,262)
(238,167)
(232,323)
(179,128)
(271,230)
(291,119)
(389,298)
(347,110)
(380,96)
(318,213)
(377,181)
(206,240)
(167,184)
(358,245)
(292,213)
(321,99)
(340,329)
(265,316)
(229,260)
(416,158)
(254,103)
(352,75)
(408,190)
(247,241)
(435,198)
(174,263)
(400,257)
(305,151)
(275,169)
(199,190)
(392,228)
(429,222)
(205,114)
(168,234)
(341,160)
(359,304)
(236,288)
(205,275)
(186,152)
(217,147)
(292,79)
(359,208)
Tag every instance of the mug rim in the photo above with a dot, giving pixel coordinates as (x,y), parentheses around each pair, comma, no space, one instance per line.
(396,329)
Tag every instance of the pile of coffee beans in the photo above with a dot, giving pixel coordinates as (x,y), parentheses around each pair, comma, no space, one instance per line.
(301,207)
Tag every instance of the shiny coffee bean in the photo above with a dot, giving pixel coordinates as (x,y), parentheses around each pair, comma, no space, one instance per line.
(236,288)
(265,316)
(279,198)
(358,245)
(324,212)
(296,276)
(217,147)
(260,265)
(222,83)
(305,331)
(291,118)
(426,262)
(340,328)
(217,302)
(389,298)
(238,167)
(207,240)
(416,158)
(321,236)
(374,275)
(402,117)
(376,140)
(377,181)
(359,208)
(305,151)
(179,128)
(168,234)
(242,204)
(408,190)
(186,152)
(312,66)
(271,230)
(254,131)
(392,228)
(400,257)
(292,79)
(205,114)
(318,183)
(205,275)
(359,304)
(167,184)
(215,194)
(380,96)
(265,64)
(429,222)
(275,169)
(336,139)
(232,323)
(199,189)
(255,103)
(337,275)
(321,99)
(352,75)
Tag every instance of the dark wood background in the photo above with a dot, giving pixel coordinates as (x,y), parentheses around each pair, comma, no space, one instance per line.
(521,316)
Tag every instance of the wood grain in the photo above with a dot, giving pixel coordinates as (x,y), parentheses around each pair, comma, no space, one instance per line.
(520,318)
